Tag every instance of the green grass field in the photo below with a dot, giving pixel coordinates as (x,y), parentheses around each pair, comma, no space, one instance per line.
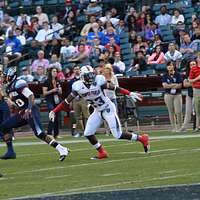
(37,171)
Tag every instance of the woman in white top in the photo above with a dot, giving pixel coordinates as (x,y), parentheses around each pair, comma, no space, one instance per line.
(111,78)
(177,17)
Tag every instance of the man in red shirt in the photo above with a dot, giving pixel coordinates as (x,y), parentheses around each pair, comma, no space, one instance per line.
(194,78)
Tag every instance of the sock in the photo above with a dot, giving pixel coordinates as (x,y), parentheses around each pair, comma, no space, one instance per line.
(10,146)
(59,147)
(53,143)
(134,137)
(97,145)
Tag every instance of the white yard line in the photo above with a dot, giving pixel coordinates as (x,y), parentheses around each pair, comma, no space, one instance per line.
(78,190)
(53,177)
(107,140)
(111,174)
(93,163)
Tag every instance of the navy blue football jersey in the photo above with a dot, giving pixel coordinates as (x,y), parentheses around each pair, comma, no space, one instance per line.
(16,93)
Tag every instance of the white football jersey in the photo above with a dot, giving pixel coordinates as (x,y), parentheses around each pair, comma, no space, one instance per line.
(94,94)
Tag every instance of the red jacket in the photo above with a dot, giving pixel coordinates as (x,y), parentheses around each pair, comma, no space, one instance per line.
(194,72)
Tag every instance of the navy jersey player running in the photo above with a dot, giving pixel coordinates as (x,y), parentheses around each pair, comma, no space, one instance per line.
(91,88)
(23,97)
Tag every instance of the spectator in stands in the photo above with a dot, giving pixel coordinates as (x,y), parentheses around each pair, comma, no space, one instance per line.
(45,34)
(2,50)
(110,78)
(173,55)
(54,62)
(155,42)
(139,42)
(42,17)
(69,75)
(131,23)
(13,46)
(148,20)
(177,17)
(83,41)
(80,107)
(94,33)
(110,33)
(40,75)
(140,22)
(57,28)
(139,63)
(81,56)
(67,50)
(86,28)
(108,17)
(52,47)
(172,83)
(94,55)
(112,43)
(12,27)
(118,66)
(23,19)
(20,36)
(93,9)
(130,13)
(41,61)
(121,27)
(195,31)
(188,48)
(157,56)
(6,21)
(33,50)
(164,18)
(151,31)
(70,25)
(189,98)
(52,91)
(26,75)
(31,31)
(98,45)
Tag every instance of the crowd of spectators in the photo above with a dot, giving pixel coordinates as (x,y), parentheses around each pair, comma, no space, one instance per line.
(87,33)
(50,38)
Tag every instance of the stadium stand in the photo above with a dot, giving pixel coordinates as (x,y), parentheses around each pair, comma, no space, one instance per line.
(72,15)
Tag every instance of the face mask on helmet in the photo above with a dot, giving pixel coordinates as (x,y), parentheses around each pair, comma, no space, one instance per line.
(89,77)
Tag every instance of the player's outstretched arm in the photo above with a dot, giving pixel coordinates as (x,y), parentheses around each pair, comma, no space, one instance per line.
(134,95)
(64,105)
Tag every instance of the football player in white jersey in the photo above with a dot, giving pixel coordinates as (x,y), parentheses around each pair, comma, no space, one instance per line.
(91,87)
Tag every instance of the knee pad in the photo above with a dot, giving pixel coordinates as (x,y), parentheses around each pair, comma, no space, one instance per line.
(41,136)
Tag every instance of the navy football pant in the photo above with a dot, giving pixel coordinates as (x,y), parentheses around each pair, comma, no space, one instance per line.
(16,121)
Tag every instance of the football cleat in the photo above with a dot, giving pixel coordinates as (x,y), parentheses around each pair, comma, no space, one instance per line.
(102,153)
(63,153)
(8,155)
(144,139)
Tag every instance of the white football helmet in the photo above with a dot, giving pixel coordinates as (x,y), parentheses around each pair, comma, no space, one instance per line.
(87,74)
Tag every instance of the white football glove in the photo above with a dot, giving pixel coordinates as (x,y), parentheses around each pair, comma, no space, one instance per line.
(52,116)
(135,96)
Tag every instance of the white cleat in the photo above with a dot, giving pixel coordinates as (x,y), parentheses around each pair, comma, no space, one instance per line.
(63,153)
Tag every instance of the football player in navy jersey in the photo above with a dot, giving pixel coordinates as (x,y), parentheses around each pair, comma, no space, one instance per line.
(23,97)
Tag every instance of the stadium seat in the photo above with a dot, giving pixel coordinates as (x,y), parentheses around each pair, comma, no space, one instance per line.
(126,51)
(124,40)
(124,35)
(51,2)
(125,46)
(39,2)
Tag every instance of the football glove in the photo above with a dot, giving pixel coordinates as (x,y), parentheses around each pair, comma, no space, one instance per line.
(52,116)
(135,96)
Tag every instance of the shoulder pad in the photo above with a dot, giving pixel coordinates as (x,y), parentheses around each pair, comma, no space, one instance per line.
(100,80)
(77,85)
(20,84)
